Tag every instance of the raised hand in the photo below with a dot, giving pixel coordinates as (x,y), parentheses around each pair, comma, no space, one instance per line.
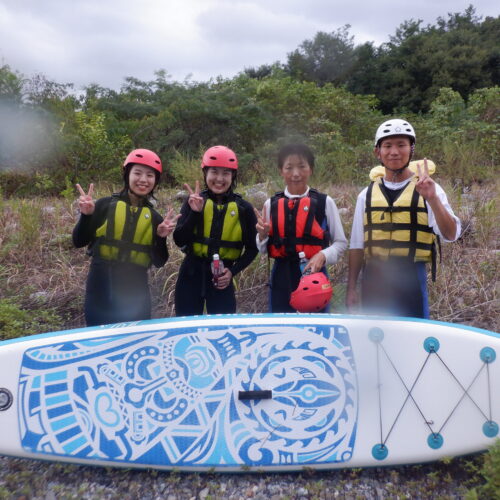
(195,201)
(86,203)
(425,186)
(262,225)
(168,224)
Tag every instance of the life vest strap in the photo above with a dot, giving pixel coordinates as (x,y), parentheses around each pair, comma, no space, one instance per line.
(391,244)
(397,226)
(369,224)
(393,209)
(125,245)
(215,242)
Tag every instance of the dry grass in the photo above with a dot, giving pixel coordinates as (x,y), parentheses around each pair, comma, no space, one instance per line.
(40,269)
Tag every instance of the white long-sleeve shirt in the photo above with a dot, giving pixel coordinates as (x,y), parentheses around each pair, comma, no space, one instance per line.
(357,233)
(337,237)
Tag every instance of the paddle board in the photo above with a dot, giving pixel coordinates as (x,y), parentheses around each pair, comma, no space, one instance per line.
(251,392)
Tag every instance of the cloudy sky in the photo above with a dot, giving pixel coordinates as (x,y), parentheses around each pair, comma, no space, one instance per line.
(102,41)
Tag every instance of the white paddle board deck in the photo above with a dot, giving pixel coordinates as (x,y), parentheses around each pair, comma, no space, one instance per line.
(251,392)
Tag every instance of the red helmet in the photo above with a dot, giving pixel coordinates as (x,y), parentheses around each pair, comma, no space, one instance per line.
(313,293)
(144,157)
(219,156)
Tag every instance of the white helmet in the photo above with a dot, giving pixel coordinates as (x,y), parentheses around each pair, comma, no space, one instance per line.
(395,127)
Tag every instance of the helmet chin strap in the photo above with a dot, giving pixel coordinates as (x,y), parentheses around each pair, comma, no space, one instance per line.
(396,171)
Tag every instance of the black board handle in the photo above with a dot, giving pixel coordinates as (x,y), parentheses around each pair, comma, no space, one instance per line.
(244,395)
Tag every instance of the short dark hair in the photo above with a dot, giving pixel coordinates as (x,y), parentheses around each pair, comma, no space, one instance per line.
(295,149)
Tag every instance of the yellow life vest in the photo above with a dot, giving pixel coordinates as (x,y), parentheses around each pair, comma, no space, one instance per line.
(126,235)
(397,230)
(220,231)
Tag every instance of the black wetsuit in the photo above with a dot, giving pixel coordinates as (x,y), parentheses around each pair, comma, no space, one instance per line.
(194,285)
(116,291)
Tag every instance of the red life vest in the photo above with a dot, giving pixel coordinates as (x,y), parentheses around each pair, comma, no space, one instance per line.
(296,225)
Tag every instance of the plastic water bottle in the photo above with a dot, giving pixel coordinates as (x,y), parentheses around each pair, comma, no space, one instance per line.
(217,267)
(303,263)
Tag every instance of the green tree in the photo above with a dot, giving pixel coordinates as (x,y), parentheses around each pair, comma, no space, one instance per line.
(406,74)
(90,154)
(11,86)
(327,58)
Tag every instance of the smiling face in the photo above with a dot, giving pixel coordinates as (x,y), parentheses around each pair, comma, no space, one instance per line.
(218,179)
(296,172)
(141,180)
(394,152)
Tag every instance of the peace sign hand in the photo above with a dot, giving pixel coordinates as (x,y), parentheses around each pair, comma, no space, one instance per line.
(425,186)
(85,201)
(263,227)
(195,201)
(168,224)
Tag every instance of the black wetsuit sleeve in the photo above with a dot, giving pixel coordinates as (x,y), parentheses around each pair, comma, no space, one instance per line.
(159,254)
(84,231)
(184,230)
(250,250)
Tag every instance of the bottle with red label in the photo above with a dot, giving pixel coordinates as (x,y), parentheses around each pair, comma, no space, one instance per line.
(217,267)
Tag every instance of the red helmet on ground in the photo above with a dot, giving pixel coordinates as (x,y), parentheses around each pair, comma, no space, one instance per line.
(143,157)
(313,293)
(220,156)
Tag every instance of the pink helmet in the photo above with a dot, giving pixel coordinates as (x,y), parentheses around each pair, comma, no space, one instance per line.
(313,293)
(144,157)
(219,156)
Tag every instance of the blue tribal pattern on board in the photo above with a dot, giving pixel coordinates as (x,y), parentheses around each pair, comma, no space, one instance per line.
(170,397)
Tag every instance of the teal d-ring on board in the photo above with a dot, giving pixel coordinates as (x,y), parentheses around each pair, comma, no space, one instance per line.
(488,355)
(490,429)
(435,440)
(376,335)
(380,451)
(431,344)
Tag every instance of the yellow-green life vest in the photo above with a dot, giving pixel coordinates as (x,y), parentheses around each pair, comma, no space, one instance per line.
(400,229)
(126,235)
(219,231)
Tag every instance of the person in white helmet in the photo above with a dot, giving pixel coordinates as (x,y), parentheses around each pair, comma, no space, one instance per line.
(397,221)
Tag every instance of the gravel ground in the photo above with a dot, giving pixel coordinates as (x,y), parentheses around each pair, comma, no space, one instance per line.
(24,479)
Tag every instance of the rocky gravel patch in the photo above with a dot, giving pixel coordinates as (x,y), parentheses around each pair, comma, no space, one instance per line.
(24,479)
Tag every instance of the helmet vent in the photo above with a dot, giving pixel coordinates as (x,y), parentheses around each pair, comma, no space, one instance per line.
(213,157)
(139,156)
